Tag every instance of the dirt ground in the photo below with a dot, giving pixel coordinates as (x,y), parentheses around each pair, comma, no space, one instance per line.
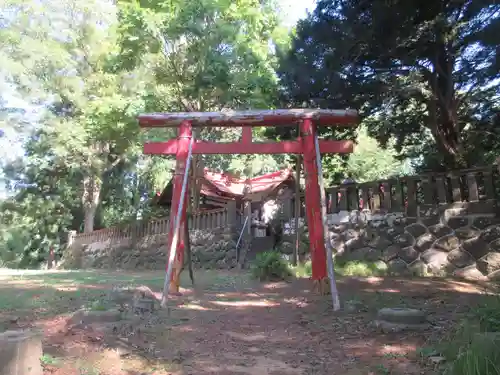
(229,324)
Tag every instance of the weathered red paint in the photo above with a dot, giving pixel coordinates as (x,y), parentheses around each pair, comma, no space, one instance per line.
(313,207)
(246,135)
(308,120)
(279,117)
(185,134)
(248,147)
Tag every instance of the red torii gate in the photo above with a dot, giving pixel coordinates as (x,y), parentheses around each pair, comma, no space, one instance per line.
(307,119)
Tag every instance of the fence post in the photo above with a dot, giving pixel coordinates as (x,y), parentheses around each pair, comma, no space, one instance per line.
(231,227)
(70,238)
(231,213)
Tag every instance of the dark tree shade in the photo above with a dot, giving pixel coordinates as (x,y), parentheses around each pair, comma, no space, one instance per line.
(424,72)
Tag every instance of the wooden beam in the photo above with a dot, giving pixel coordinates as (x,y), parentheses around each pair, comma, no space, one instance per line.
(284,147)
(278,117)
(246,135)
(298,206)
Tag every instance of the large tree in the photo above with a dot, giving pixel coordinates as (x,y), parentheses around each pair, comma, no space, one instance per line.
(207,56)
(64,56)
(424,72)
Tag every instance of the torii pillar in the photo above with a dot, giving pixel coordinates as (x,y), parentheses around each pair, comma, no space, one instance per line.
(313,208)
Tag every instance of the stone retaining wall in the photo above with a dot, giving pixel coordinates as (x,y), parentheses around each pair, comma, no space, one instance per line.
(460,239)
(211,248)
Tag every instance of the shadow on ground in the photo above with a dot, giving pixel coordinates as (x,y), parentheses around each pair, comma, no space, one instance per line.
(231,325)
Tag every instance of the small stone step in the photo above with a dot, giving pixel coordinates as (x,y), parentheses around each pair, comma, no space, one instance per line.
(402,315)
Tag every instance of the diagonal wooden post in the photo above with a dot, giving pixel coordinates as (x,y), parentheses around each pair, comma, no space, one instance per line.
(326,232)
(297,210)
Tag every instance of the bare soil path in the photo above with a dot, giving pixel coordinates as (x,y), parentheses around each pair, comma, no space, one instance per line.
(229,324)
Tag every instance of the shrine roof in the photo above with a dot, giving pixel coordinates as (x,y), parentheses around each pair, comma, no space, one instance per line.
(225,186)
(276,117)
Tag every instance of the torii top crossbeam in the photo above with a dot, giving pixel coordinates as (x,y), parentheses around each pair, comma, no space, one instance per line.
(247,120)
(230,118)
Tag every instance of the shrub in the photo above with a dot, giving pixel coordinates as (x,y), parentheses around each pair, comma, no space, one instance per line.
(301,269)
(472,349)
(270,266)
(345,268)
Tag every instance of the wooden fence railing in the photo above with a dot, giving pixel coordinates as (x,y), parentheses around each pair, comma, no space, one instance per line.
(204,220)
(406,194)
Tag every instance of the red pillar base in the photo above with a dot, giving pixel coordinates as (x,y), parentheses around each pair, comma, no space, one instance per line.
(322,287)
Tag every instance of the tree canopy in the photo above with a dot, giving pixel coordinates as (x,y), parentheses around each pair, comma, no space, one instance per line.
(425,73)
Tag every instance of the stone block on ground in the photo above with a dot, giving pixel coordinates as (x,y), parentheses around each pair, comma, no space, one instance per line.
(436,360)
(144,305)
(127,295)
(85,317)
(387,327)
(20,353)
(402,315)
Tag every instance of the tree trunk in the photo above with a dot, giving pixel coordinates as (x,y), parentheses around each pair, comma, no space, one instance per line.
(90,201)
(443,110)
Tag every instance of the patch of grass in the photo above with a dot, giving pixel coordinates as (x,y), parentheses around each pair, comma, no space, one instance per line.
(472,348)
(382,370)
(98,305)
(270,266)
(301,269)
(344,268)
(360,268)
(47,359)
(427,351)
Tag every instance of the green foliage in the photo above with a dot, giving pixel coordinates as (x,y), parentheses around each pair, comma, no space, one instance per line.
(344,268)
(270,266)
(301,269)
(359,268)
(423,75)
(371,162)
(207,56)
(92,66)
(472,348)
